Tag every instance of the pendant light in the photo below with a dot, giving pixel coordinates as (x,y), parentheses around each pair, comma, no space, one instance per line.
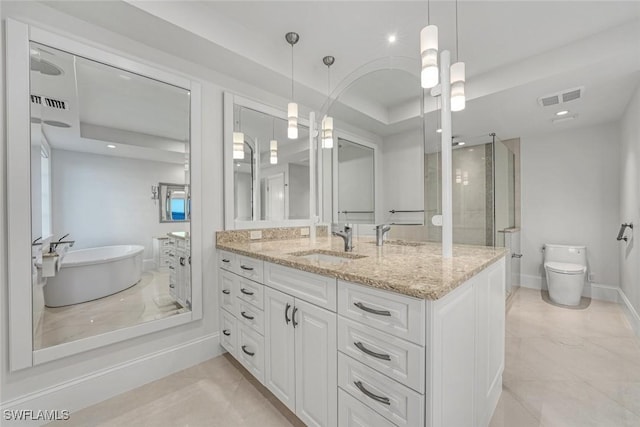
(292,108)
(457,77)
(273,145)
(327,122)
(429,53)
(238,139)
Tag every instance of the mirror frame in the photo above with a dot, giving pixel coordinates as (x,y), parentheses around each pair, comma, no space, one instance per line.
(187,210)
(21,351)
(402,63)
(230,222)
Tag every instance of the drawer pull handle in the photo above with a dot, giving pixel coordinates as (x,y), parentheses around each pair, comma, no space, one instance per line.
(244,348)
(171,255)
(226,261)
(226,291)
(363,307)
(244,267)
(246,292)
(182,260)
(171,267)
(246,316)
(286,314)
(226,332)
(293,316)
(375,397)
(172,286)
(365,350)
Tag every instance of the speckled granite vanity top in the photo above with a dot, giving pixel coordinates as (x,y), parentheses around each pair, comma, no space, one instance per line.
(411,269)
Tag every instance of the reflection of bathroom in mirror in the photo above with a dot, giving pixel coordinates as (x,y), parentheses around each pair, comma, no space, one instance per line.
(377,110)
(271,177)
(356,192)
(102,257)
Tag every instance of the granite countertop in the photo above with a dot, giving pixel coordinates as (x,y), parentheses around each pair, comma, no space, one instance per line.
(410,268)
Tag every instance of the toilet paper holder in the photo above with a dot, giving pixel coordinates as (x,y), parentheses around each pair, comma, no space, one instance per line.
(623,227)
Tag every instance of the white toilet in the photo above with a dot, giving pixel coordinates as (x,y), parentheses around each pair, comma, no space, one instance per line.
(566,267)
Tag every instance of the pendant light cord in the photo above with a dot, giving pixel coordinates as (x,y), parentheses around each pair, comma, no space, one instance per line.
(428,12)
(457,49)
(292,99)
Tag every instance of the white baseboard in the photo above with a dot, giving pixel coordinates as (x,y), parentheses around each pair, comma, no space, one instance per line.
(597,291)
(98,386)
(631,313)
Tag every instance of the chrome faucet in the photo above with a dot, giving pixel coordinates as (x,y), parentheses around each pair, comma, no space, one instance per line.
(380,231)
(347,236)
(54,245)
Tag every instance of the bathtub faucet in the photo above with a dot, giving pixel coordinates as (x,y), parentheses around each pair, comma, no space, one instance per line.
(54,245)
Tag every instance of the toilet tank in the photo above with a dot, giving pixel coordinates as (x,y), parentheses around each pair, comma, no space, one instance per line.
(565,253)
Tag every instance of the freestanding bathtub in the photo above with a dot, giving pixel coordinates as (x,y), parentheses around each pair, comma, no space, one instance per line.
(89,274)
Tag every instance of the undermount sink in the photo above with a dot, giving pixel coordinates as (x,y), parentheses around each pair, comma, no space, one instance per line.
(328,257)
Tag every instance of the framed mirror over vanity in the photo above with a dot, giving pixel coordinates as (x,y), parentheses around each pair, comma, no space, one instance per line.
(101,248)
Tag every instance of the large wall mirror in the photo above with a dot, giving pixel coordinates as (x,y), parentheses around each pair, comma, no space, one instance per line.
(378,146)
(104,141)
(269,175)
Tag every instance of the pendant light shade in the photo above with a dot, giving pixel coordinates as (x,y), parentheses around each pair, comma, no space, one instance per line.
(429,54)
(238,146)
(457,86)
(327,132)
(292,113)
(292,109)
(273,145)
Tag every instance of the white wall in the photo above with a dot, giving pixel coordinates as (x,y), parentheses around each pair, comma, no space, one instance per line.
(152,356)
(570,196)
(106,200)
(629,252)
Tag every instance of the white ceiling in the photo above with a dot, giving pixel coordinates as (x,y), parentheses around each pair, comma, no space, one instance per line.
(515,51)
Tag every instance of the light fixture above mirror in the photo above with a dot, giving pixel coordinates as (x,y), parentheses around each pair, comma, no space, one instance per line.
(292,108)
(327,121)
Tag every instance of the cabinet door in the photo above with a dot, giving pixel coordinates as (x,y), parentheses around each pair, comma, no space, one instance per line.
(316,365)
(279,346)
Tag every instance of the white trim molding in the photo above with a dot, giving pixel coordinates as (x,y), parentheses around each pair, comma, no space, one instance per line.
(87,390)
(630,311)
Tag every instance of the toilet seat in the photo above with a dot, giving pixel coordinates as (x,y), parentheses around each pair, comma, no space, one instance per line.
(565,267)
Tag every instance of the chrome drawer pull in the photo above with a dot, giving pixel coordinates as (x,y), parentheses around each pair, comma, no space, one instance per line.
(171,267)
(226,260)
(286,314)
(246,292)
(172,286)
(365,350)
(244,267)
(293,316)
(226,291)
(375,397)
(244,348)
(226,332)
(363,307)
(246,316)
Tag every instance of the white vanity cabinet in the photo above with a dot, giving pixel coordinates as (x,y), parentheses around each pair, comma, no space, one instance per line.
(179,256)
(162,246)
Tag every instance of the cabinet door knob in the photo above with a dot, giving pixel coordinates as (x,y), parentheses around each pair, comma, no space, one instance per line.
(246,316)
(370,395)
(286,314)
(363,307)
(246,292)
(244,348)
(293,316)
(365,350)
(226,332)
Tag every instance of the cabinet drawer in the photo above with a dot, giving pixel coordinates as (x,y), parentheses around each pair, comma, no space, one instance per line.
(399,359)
(168,243)
(397,403)
(352,413)
(228,290)
(251,292)
(250,352)
(250,268)
(313,288)
(390,312)
(227,260)
(250,316)
(228,332)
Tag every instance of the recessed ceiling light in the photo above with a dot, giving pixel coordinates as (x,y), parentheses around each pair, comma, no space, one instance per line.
(562,113)
(564,119)
(111,146)
(33,51)
(124,77)
(439,130)
(392,38)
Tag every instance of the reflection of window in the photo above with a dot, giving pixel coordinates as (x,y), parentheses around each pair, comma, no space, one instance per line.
(175,203)
(177,209)
(45,190)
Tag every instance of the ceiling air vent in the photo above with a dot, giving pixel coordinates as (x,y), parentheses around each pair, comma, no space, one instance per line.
(50,102)
(561,97)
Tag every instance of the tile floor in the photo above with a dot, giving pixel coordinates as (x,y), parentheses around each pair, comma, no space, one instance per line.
(564,367)
(148,300)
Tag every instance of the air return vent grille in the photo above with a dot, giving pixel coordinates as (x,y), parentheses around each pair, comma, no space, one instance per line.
(561,97)
(49,102)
